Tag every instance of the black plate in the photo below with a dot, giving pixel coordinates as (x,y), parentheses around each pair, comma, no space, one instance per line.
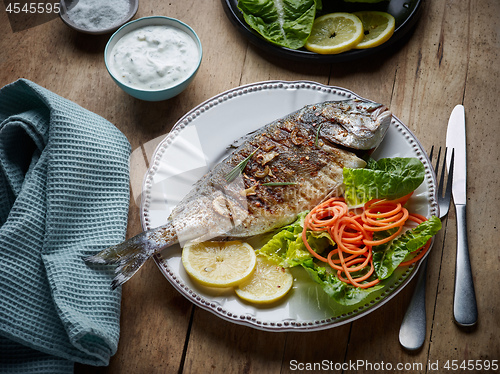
(405,12)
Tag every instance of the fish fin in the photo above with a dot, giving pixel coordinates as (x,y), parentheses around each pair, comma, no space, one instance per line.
(131,254)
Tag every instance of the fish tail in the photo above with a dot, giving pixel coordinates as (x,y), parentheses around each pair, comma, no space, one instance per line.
(130,255)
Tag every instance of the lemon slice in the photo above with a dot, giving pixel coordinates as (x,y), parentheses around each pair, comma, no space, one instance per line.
(378,28)
(335,33)
(269,282)
(219,264)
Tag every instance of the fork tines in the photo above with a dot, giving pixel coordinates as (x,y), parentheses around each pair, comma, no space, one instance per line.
(444,188)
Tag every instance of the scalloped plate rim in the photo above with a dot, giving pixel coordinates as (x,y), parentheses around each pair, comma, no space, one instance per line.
(244,319)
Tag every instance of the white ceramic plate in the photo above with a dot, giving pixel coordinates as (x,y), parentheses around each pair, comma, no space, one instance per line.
(199,140)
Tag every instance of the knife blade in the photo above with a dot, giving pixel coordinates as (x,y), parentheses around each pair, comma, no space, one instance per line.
(464,298)
(455,138)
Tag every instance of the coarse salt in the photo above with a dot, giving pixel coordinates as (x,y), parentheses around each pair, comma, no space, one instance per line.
(97,15)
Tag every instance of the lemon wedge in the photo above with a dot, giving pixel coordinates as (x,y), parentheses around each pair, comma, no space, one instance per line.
(269,282)
(378,28)
(335,33)
(219,264)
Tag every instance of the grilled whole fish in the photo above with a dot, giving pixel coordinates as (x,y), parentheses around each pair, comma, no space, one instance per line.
(278,171)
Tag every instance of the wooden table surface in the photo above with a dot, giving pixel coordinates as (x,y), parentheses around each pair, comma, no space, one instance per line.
(451,57)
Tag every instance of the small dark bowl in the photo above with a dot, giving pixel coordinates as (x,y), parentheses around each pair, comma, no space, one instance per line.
(69,4)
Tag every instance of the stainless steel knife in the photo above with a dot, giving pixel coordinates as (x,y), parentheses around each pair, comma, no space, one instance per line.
(464,298)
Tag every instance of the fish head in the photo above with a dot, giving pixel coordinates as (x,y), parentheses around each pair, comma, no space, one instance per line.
(354,124)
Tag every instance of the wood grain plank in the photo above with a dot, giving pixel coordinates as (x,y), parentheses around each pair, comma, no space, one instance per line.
(371,78)
(315,352)
(159,325)
(480,99)
(77,72)
(217,346)
(261,66)
(450,58)
(428,79)
(323,349)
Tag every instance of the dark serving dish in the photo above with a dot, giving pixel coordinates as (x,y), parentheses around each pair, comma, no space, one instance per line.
(405,12)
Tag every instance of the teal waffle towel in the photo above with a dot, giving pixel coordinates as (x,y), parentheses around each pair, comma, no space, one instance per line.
(64,194)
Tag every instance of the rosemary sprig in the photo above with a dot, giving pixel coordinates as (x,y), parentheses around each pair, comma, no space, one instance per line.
(238,169)
(317,135)
(274,184)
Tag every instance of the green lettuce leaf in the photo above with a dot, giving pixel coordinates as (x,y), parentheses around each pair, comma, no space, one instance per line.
(389,178)
(342,293)
(286,23)
(286,247)
(388,256)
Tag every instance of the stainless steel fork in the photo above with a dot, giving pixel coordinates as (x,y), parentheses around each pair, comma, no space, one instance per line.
(413,328)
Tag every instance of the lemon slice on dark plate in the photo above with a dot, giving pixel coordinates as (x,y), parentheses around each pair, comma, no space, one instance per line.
(335,33)
(378,28)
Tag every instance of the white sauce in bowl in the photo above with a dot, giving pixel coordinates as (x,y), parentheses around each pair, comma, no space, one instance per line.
(154,57)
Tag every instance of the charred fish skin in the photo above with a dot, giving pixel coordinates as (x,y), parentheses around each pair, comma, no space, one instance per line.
(294,163)
(288,166)
(291,167)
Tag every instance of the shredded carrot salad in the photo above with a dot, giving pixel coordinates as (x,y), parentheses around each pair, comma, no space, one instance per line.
(352,231)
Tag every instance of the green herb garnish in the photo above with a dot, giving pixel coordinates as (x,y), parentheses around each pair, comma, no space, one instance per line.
(238,169)
(317,135)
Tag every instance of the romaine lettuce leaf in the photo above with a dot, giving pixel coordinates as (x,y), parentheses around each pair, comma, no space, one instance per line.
(342,293)
(388,178)
(387,257)
(286,247)
(286,23)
